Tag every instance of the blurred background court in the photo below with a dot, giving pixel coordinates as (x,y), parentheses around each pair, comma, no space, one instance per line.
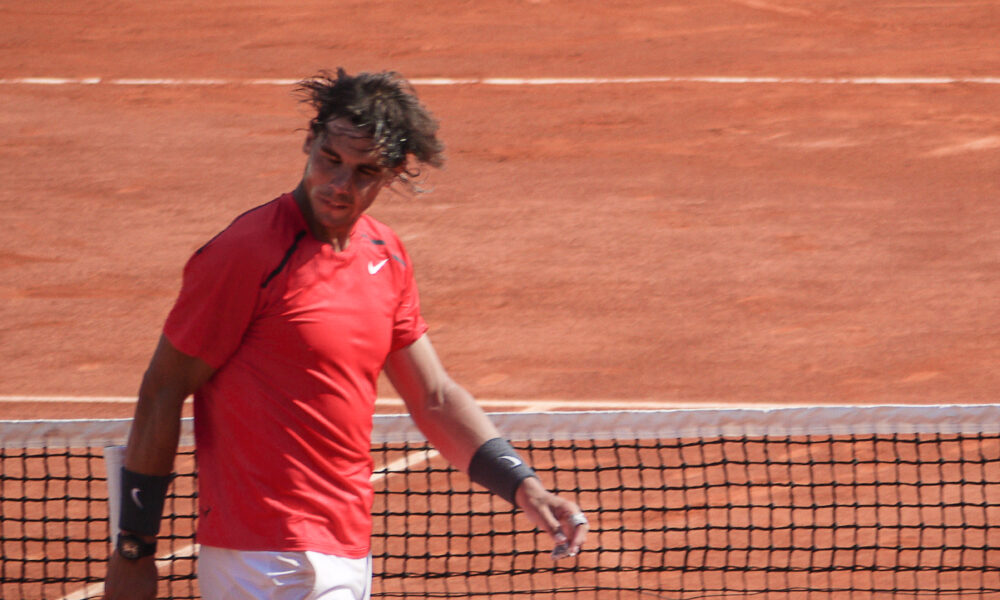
(646,204)
(788,240)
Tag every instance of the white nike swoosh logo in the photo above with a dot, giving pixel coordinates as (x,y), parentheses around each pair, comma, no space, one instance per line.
(513,460)
(376,267)
(135,498)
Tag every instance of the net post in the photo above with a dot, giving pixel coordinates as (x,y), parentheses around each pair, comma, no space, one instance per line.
(114,459)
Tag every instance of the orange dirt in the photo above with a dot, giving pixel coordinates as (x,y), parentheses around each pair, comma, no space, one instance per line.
(684,242)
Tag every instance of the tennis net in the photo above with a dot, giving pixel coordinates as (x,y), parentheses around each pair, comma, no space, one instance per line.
(810,503)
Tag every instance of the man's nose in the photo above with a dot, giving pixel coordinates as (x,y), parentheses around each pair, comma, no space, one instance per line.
(342,179)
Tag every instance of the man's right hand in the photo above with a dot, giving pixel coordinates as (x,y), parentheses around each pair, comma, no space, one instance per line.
(130,579)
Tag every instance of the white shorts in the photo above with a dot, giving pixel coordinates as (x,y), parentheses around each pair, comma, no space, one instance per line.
(235,575)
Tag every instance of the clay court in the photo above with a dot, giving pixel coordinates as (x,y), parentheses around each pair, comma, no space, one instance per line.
(799,233)
(703,203)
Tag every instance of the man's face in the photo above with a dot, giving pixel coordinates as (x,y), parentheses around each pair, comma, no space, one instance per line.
(342,176)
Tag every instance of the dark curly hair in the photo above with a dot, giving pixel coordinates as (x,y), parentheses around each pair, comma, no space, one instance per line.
(384,106)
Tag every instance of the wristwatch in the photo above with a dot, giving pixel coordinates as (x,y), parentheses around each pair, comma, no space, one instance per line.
(133,547)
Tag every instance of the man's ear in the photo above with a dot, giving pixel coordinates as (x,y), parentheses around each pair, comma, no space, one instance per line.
(398,169)
(307,145)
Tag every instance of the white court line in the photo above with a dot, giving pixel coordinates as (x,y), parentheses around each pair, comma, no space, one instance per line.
(92,590)
(519,81)
(540,404)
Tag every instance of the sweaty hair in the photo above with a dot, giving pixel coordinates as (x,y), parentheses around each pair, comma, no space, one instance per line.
(384,106)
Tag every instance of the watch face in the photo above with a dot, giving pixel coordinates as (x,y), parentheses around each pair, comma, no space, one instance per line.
(129,548)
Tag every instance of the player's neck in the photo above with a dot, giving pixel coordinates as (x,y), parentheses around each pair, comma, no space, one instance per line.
(338,239)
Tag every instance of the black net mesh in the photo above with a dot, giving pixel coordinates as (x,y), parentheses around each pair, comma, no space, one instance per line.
(812,516)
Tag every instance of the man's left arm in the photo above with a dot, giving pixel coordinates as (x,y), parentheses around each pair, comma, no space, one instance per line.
(455,424)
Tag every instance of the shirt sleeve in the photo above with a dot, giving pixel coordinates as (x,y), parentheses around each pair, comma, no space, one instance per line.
(409,324)
(216,303)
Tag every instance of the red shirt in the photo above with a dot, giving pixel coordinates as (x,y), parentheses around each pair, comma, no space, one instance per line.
(298,334)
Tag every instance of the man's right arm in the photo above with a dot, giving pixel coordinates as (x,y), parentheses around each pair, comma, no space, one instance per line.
(172,376)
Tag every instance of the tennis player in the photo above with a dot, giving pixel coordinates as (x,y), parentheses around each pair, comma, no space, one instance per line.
(282,325)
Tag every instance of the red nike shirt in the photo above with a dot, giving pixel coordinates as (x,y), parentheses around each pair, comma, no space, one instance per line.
(298,334)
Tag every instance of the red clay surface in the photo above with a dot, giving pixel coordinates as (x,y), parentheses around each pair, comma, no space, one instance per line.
(683,242)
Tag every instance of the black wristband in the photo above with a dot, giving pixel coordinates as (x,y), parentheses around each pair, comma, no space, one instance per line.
(142,502)
(497,467)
